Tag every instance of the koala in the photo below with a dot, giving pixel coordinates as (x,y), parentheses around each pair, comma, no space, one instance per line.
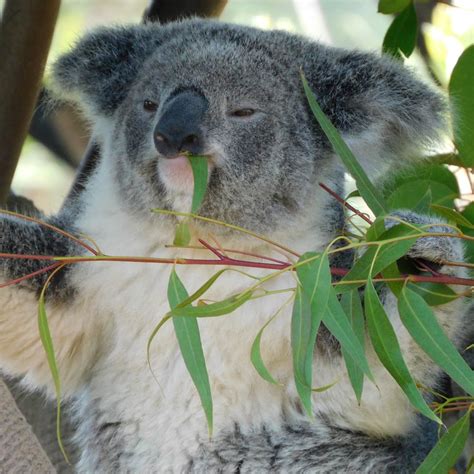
(154,93)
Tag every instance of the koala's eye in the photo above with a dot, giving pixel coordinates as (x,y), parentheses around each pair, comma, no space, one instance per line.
(243,112)
(149,105)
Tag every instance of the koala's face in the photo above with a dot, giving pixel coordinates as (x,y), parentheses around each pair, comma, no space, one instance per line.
(234,95)
(228,102)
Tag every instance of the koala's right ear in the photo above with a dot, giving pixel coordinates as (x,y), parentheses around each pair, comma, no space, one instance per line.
(98,71)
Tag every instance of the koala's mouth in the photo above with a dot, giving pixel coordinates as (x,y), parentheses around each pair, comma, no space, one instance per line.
(177,175)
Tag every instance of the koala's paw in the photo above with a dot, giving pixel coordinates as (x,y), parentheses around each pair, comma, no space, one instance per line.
(437,249)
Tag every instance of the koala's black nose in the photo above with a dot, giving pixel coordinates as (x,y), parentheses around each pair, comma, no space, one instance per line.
(179,126)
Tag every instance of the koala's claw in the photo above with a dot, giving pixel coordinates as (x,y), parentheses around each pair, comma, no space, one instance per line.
(437,249)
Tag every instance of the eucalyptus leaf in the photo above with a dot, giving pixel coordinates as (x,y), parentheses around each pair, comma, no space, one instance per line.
(386,346)
(189,340)
(421,171)
(47,342)
(338,324)
(256,357)
(452,215)
(422,325)
(448,449)
(389,253)
(352,307)
(421,195)
(392,6)
(303,338)
(400,39)
(434,294)
(183,235)
(308,311)
(462,104)
(371,195)
(468,213)
(220,308)
(200,174)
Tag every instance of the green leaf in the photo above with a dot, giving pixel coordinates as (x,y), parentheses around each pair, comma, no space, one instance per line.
(389,253)
(303,338)
(182,236)
(422,325)
(468,213)
(310,305)
(434,294)
(47,342)
(315,279)
(220,308)
(452,215)
(352,307)
(421,195)
(202,289)
(402,33)
(367,190)
(337,323)
(462,104)
(392,6)
(189,340)
(448,449)
(200,174)
(386,346)
(256,357)
(416,172)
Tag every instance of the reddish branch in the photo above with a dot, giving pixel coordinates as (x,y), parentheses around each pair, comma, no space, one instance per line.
(346,204)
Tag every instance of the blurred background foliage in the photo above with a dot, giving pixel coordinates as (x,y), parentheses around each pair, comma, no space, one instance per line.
(46,178)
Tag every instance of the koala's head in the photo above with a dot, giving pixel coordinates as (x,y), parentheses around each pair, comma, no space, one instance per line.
(234,94)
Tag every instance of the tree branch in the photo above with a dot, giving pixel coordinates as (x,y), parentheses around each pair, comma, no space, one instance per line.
(26,30)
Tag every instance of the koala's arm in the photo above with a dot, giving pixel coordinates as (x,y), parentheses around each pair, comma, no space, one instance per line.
(453,316)
(74,337)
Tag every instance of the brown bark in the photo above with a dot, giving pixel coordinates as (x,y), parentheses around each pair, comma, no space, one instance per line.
(26,30)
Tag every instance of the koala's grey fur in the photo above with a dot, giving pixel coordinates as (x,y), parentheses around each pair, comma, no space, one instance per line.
(264,174)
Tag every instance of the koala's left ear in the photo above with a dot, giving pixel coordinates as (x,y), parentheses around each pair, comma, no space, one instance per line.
(98,71)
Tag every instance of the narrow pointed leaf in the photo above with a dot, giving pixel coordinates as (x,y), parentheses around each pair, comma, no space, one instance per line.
(315,279)
(256,356)
(372,197)
(352,307)
(392,6)
(389,253)
(462,103)
(189,340)
(47,342)
(200,174)
(401,34)
(434,294)
(302,338)
(422,325)
(183,235)
(448,449)
(214,309)
(202,289)
(386,346)
(339,326)
(308,310)
(452,215)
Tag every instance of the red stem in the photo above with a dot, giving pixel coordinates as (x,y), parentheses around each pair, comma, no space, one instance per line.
(30,275)
(51,227)
(346,204)
(236,263)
